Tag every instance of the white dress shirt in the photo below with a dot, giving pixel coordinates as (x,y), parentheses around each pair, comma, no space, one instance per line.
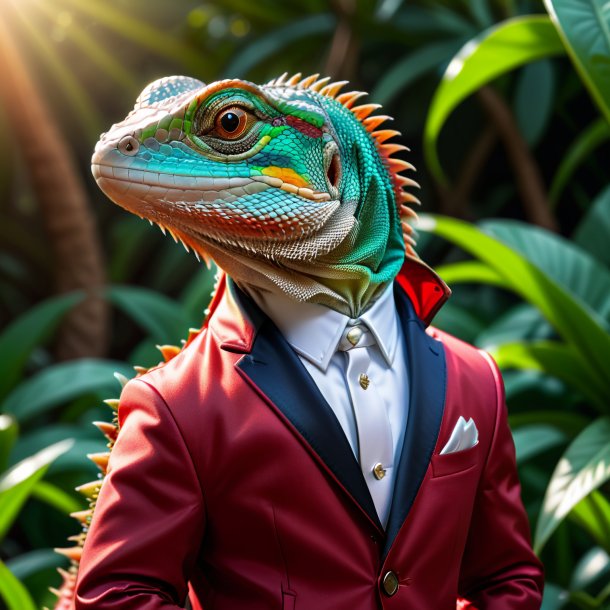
(318,334)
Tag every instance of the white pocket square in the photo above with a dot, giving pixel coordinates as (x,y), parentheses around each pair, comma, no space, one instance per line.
(464,436)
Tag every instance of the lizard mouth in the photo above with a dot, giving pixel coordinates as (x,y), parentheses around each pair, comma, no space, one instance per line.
(224,210)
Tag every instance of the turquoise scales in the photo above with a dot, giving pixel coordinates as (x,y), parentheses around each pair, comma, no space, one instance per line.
(288,187)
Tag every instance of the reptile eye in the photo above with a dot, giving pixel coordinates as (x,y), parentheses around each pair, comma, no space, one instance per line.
(231,123)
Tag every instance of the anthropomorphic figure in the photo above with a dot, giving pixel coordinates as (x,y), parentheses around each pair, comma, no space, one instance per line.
(315,446)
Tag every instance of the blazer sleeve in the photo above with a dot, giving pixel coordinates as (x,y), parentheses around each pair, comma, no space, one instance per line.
(499,569)
(149,518)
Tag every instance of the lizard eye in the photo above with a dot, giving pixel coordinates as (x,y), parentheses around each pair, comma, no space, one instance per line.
(231,123)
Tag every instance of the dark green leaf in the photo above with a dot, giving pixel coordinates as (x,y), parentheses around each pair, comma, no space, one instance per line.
(28,331)
(593,514)
(498,50)
(534,99)
(13,592)
(8,435)
(17,483)
(582,469)
(530,441)
(164,319)
(61,383)
(593,231)
(584,26)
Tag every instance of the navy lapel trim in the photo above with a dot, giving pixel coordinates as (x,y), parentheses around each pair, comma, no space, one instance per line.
(427,382)
(275,369)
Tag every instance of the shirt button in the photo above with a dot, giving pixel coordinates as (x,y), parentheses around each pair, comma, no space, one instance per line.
(379,471)
(354,335)
(364,381)
(390,583)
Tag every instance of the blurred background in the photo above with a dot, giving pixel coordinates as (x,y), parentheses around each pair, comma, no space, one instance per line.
(505,105)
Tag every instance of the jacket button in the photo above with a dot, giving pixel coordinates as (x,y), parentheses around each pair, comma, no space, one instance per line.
(390,583)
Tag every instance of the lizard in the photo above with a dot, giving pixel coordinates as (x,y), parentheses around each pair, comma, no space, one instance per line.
(291,186)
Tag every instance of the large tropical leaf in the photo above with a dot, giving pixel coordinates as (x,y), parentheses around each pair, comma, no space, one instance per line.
(593,514)
(276,41)
(165,320)
(470,272)
(557,359)
(17,483)
(582,469)
(498,50)
(27,332)
(534,100)
(593,231)
(61,383)
(8,436)
(584,26)
(458,321)
(530,441)
(574,270)
(413,66)
(13,592)
(568,316)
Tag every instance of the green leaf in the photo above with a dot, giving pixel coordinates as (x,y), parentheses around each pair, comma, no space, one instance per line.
(470,272)
(579,151)
(458,321)
(531,441)
(27,332)
(157,314)
(569,423)
(198,293)
(584,26)
(498,50)
(17,483)
(413,66)
(593,565)
(61,383)
(520,322)
(8,435)
(276,41)
(561,361)
(534,99)
(582,469)
(27,564)
(569,317)
(593,514)
(593,231)
(56,497)
(554,598)
(13,592)
(562,261)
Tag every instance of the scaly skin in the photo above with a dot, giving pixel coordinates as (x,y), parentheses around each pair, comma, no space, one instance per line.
(307,200)
(303,200)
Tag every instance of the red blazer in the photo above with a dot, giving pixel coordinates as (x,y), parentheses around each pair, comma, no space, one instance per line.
(232,474)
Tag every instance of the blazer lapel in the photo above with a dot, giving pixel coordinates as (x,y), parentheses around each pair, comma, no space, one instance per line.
(277,372)
(427,380)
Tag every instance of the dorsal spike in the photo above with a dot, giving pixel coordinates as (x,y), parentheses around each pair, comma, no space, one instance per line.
(140,370)
(82,516)
(110,431)
(364,110)
(390,149)
(406,197)
(349,99)
(293,80)
(332,89)
(73,553)
(381,135)
(280,79)
(398,165)
(403,181)
(308,80)
(90,490)
(371,123)
(100,460)
(113,403)
(319,83)
(168,351)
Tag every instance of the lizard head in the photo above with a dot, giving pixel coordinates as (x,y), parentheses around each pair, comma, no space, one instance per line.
(284,178)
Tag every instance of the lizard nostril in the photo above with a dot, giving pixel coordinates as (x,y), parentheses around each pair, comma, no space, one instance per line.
(332,161)
(128,146)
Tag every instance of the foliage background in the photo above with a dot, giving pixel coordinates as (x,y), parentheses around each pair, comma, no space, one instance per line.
(515,129)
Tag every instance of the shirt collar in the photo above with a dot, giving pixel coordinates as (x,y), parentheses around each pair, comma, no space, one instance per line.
(314,331)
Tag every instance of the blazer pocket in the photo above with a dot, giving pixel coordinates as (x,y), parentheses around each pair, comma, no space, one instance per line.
(454,463)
